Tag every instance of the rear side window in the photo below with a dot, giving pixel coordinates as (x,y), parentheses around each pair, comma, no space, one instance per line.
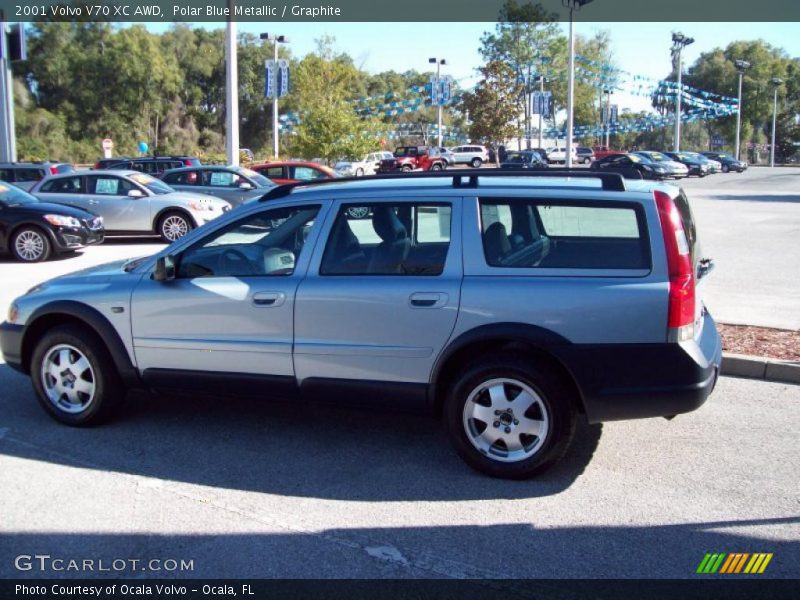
(564,235)
(62,185)
(29,174)
(388,239)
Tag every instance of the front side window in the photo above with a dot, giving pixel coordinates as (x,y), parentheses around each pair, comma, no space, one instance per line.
(541,234)
(268,243)
(223,179)
(182,178)
(109,186)
(388,239)
(307,174)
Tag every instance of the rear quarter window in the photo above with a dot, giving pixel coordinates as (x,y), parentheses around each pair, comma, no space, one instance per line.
(564,235)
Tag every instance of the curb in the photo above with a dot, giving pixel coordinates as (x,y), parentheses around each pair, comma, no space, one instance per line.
(755,367)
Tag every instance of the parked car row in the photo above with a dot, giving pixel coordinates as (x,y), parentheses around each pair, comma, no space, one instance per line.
(650,164)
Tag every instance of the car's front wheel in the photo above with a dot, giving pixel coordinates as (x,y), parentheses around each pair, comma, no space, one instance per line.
(359,172)
(509,418)
(476,163)
(173,226)
(436,167)
(725,168)
(406,169)
(30,244)
(74,377)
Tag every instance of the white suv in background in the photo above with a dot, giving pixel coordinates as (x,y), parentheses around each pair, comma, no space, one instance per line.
(558,154)
(474,156)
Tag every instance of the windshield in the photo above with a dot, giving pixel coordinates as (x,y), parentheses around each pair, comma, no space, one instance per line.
(13,196)
(726,156)
(259,179)
(656,156)
(519,157)
(151,183)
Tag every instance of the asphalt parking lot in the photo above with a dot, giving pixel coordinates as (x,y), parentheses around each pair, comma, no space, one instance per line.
(248,489)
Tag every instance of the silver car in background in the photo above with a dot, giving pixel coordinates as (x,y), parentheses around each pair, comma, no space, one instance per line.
(234,184)
(132,202)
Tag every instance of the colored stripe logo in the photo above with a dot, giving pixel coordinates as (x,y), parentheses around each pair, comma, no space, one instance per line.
(734,563)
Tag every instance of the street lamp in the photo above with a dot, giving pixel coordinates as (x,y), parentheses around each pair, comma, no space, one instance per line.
(573,5)
(438,62)
(741,66)
(276,39)
(679,42)
(608,93)
(776,83)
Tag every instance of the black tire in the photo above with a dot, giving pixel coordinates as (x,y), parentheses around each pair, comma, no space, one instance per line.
(30,244)
(555,402)
(476,163)
(173,226)
(108,391)
(436,167)
(587,161)
(725,168)
(359,172)
(406,169)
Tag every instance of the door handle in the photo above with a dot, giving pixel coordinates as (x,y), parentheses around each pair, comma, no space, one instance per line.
(428,299)
(94,201)
(269,298)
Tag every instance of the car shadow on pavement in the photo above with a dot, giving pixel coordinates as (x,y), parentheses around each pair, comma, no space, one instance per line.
(502,553)
(9,259)
(276,448)
(791,198)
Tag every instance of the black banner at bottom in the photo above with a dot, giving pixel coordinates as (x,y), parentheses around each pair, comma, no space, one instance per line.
(441,589)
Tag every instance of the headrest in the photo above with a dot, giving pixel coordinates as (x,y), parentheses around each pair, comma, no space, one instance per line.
(387,225)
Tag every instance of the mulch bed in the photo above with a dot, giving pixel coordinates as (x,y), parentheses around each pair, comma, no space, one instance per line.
(780,344)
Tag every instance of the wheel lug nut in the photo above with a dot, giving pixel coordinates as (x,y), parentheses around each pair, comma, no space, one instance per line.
(497,423)
(508,429)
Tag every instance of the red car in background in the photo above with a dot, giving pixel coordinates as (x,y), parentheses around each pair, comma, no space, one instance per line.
(293,171)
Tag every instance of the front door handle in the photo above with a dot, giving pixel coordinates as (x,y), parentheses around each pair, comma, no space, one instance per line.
(269,298)
(428,299)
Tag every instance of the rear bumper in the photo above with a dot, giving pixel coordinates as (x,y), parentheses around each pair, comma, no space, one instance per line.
(634,381)
(11,345)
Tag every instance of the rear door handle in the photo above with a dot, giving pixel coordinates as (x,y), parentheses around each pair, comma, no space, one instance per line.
(428,299)
(269,298)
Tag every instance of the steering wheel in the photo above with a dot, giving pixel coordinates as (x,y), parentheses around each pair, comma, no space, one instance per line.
(235,262)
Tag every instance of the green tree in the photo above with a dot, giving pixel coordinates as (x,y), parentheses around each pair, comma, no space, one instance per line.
(492,105)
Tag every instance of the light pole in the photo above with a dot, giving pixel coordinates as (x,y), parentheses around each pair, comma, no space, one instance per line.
(541,102)
(741,66)
(231,93)
(679,42)
(608,93)
(438,62)
(573,5)
(776,83)
(276,39)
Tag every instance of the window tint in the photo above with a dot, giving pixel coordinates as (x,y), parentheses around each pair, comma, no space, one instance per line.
(7,175)
(267,243)
(388,239)
(272,172)
(182,178)
(29,174)
(531,234)
(65,185)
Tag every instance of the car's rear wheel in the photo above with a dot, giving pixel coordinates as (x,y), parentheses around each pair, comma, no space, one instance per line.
(406,168)
(587,161)
(74,377)
(31,244)
(359,172)
(509,418)
(173,226)
(436,167)
(476,163)
(725,168)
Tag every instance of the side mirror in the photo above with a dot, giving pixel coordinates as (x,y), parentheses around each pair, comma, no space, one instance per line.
(136,194)
(245,185)
(165,268)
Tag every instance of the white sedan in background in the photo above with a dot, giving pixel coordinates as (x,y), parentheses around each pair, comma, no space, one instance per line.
(358,168)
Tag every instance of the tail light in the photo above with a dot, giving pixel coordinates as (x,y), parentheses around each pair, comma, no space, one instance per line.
(188,162)
(53,170)
(97,166)
(681,271)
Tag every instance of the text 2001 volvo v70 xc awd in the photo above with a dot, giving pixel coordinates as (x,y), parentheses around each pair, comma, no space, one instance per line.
(511,305)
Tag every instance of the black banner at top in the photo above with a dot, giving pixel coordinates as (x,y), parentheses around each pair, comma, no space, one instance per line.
(673,11)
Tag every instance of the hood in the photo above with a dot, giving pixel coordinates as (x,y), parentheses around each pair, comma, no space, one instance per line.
(97,274)
(47,208)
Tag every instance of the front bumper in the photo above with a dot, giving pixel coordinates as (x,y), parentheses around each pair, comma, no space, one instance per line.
(634,381)
(74,238)
(11,344)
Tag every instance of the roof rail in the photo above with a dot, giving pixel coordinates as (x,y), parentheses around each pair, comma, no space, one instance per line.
(610,182)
